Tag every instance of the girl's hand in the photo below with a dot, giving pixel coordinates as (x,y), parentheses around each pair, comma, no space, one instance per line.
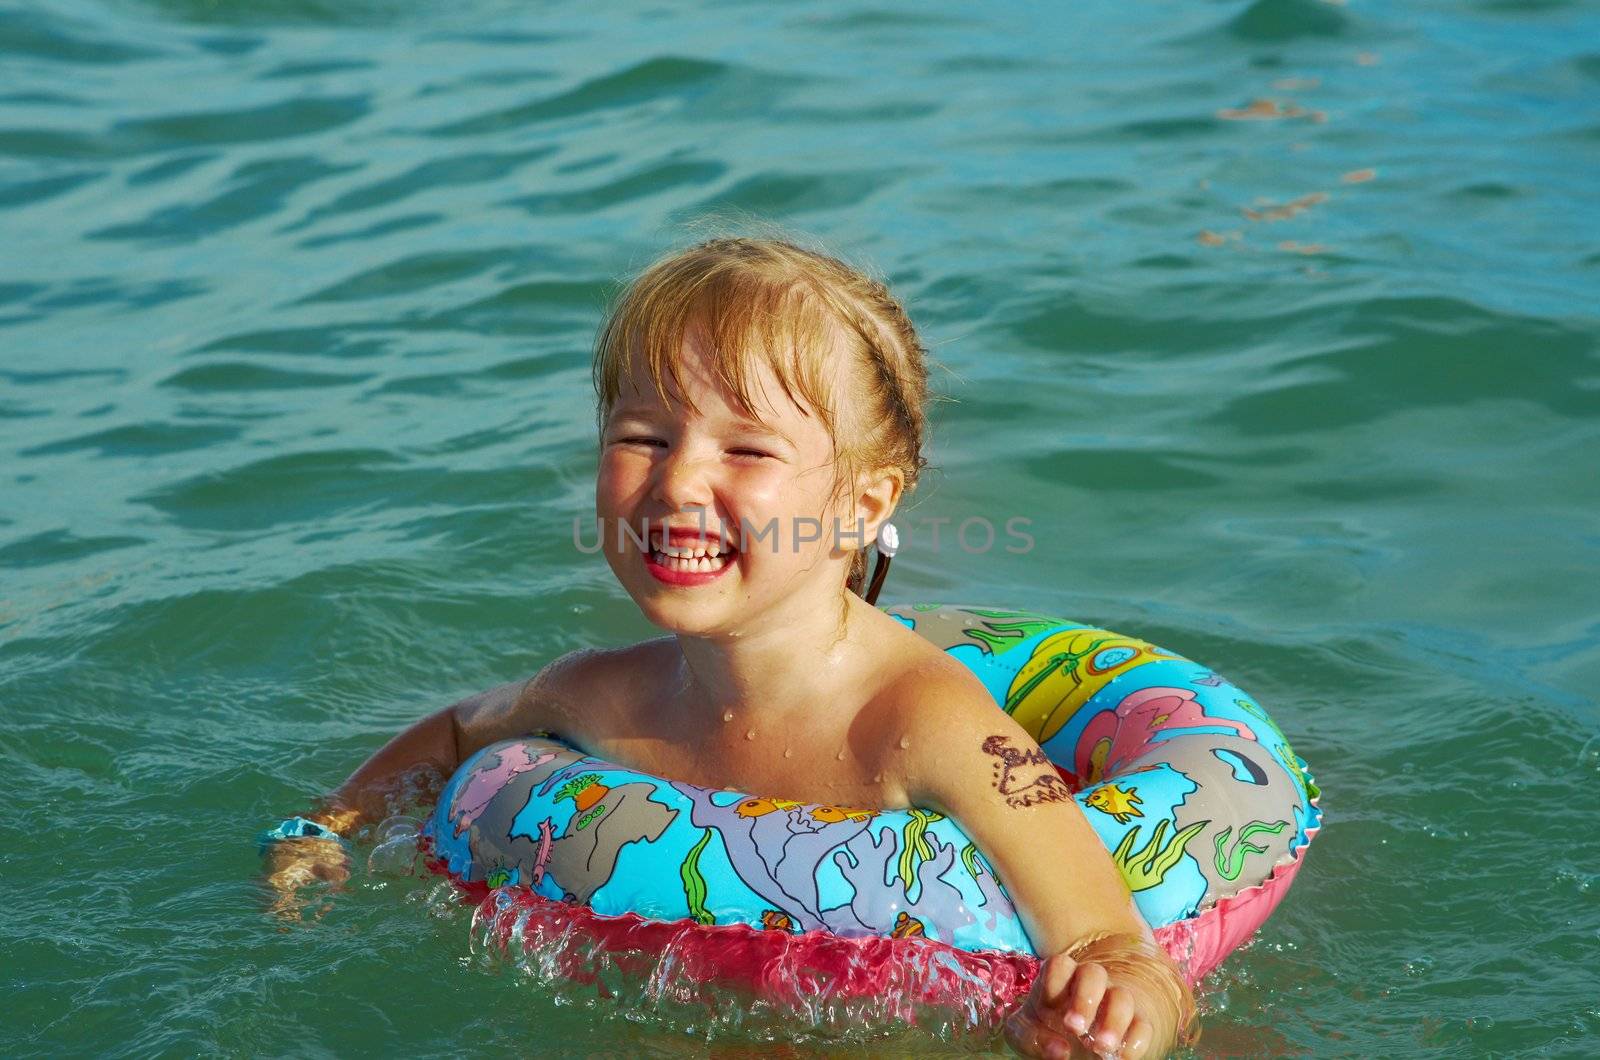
(1081,1007)
(301,870)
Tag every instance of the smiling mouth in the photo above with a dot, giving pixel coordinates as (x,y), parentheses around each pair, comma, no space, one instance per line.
(691,560)
(687,555)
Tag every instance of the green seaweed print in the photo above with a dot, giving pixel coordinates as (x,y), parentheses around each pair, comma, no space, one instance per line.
(999,636)
(585,791)
(1148,866)
(694,884)
(1231,862)
(974,862)
(581,790)
(914,845)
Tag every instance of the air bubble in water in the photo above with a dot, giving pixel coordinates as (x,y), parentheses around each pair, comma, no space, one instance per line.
(1589,755)
(1418,966)
(396,851)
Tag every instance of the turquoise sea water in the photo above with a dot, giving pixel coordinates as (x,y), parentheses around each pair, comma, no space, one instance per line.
(1276,319)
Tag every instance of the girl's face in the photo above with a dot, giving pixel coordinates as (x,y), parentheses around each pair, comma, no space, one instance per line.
(740,514)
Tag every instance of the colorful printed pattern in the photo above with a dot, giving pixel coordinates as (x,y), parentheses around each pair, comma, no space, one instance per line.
(1191,787)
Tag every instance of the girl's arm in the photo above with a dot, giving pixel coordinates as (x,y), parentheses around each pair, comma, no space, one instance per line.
(1104,979)
(439,742)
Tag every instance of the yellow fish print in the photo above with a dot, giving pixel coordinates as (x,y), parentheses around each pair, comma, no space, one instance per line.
(1118,803)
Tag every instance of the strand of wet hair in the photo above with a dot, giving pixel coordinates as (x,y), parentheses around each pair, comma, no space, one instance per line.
(895,382)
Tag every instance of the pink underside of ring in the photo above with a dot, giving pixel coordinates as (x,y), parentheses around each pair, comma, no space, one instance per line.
(795,970)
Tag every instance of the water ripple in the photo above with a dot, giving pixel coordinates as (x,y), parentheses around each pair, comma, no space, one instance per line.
(454,171)
(645,82)
(258,189)
(1273,317)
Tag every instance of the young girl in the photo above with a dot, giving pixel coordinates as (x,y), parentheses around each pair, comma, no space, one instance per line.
(761,409)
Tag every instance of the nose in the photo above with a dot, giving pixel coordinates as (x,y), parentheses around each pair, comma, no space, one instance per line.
(682,480)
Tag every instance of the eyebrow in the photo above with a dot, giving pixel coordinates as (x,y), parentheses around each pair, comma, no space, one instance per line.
(741,423)
(755,427)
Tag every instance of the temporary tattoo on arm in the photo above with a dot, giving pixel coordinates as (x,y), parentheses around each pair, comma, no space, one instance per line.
(1025,778)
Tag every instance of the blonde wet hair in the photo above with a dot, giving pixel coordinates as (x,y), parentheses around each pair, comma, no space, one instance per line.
(769,300)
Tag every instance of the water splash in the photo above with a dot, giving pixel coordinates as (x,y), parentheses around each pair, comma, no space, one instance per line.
(717,982)
(395,851)
(736,981)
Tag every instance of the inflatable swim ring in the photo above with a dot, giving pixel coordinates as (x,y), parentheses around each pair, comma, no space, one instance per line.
(1196,794)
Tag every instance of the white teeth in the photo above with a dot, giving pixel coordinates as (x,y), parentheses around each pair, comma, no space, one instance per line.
(691,553)
(713,549)
(698,563)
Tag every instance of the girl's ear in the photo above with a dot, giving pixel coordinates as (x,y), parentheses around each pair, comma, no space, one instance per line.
(877,494)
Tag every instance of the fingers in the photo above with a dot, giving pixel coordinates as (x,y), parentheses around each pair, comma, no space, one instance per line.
(315,857)
(285,907)
(297,864)
(1022,1034)
(1068,993)
(334,872)
(1111,1028)
(1136,1040)
(1060,1011)
(1054,975)
(1087,991)
(1027,1036)
(1075,1009)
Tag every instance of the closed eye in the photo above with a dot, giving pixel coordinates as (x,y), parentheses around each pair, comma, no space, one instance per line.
(639,439)
(750,454)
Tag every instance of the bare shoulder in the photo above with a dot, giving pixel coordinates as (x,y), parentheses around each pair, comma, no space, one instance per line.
(589,683)
(937,730)
(933,689)
(576,674)
(931,711)
(566,698)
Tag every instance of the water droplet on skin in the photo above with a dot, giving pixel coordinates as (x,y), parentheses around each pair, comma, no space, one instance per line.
(905,741)
(840,755)
(750,735)
(728,716)
(788,752)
